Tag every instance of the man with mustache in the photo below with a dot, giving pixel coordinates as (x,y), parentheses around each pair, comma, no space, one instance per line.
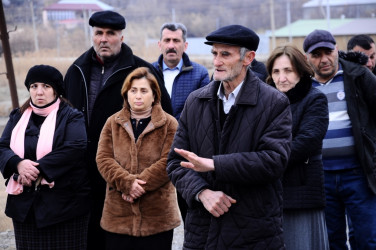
(349,145)
(93,83)
(181,75)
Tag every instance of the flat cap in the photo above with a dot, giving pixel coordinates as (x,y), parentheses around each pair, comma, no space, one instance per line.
(45,74)
(319,39)
(108,19)
(235,35)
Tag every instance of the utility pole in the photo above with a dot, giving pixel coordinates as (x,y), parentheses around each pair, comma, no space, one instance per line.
(86,27)
(34,27)
(288,18)
(272,22)
(8,57)
(328,14)
(173,14)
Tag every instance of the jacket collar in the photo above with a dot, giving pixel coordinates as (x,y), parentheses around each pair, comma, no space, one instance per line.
(126,57)
(300,90)
(351,68)
(187,65)
(248,94)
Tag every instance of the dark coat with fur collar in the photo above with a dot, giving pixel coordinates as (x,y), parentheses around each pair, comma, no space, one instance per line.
(121,160)
(303,180)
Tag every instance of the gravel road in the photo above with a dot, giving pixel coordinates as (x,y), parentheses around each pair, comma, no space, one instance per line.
(7,239)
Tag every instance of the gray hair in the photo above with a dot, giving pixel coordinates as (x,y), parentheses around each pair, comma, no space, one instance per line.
(242,52)
(175,27)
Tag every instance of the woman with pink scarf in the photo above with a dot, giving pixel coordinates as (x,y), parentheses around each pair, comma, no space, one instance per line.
(42,156)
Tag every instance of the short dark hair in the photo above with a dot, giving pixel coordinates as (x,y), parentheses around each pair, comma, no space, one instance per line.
(363,41)
(298,61)
(138,73)
(175,27)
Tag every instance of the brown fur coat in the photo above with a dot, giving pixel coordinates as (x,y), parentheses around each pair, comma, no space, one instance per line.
(120,161)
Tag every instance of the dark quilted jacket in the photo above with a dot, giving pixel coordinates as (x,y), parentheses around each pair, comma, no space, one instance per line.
(303,181)
(250,154)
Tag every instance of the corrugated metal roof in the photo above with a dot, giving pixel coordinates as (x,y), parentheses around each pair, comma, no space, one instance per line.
(316,3)
(79,5)
(337,27)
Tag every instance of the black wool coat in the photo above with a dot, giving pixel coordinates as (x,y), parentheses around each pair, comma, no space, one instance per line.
(107,102)
(360,92)
(303,180)
(65,165)
(250,154)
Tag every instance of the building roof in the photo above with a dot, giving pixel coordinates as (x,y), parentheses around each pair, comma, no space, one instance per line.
(317,3)
(337,27)
(93,5)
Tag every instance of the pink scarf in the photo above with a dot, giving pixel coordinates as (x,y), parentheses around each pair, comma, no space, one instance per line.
(44,146)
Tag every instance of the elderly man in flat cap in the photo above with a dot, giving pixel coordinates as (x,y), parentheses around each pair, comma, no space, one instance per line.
(230,150)
(93,83)
(349,145)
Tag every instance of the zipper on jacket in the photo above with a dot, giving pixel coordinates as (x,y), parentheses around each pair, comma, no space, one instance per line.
(102,69)
(86,94)
(113,73)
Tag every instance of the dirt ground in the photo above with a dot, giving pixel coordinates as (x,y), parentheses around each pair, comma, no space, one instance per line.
(5,108)
(5,222)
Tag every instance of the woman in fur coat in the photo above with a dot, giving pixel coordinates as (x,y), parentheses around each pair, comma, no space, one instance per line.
(140,209)
(303,181)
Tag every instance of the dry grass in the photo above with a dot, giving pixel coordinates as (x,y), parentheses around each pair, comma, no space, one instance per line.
(5,222)
(21,66)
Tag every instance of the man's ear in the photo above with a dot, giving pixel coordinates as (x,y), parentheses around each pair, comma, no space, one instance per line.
(159,46)
(249,56)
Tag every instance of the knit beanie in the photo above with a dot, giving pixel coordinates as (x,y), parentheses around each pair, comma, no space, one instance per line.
(45,74)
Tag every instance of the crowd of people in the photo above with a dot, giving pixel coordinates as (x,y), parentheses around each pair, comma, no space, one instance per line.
(257,156)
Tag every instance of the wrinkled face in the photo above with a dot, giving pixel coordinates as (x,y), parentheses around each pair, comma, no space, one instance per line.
(107,42)
(172,46)
(140,95)
(41,94)
(284,74)
(324,63)
(371,53)
(228,66)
